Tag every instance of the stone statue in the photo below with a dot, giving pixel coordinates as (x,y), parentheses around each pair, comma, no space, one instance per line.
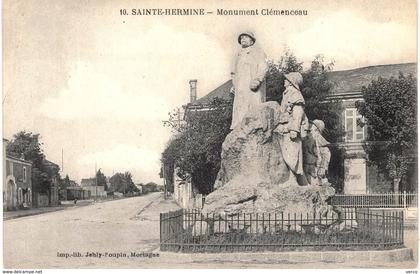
(292,127)
(264,164)
(316,154)
(248,75)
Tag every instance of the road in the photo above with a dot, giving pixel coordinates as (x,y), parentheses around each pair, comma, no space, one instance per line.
(122,227)
(125,225)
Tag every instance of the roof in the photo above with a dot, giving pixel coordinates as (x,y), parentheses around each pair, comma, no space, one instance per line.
(345,81)
(354,79)
(49,163)
(8,157)
(222,91)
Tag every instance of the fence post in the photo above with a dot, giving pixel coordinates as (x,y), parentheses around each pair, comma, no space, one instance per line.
(160,231)
(405,199)
(402,227)
(383,228)
(180,228)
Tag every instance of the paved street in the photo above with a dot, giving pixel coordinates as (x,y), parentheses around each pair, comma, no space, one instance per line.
(126,225)
(122,227)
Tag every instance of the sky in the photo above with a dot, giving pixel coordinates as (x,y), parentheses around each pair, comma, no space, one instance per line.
(97,85)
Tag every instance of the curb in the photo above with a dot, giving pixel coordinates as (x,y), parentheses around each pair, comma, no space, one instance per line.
(42,212)
(30,214)
(343,256)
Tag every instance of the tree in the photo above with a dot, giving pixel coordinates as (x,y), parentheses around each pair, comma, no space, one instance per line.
(64,183)
(197,147)
(275,74)
(28,144)
(389,108)
(101,179)
(123,182)
(151,187)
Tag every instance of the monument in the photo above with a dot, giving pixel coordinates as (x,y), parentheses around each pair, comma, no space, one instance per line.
(263,164)
(271,194)
(271,191)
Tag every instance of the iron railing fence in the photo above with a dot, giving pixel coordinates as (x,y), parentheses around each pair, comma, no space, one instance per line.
(353,229)
(382,200)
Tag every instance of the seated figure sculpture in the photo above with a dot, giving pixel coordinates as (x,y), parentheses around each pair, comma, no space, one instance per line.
(316,155)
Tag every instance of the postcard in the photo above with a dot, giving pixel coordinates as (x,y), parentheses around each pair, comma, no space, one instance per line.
(210,134)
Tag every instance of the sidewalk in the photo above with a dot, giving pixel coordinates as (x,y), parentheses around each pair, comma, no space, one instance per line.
(8,215)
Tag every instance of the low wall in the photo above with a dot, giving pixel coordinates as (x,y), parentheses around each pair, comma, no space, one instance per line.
(41,200)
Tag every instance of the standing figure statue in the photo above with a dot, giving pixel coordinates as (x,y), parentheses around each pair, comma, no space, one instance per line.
(292,127)
(316,154)
(248,74)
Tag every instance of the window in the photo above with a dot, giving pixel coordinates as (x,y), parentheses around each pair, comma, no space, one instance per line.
(354,132)
(24,174)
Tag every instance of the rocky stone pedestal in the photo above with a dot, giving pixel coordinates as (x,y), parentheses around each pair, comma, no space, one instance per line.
(254,178)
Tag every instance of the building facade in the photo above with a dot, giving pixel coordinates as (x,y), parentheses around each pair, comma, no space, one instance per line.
(95,190)
(74,192)
(17,182)
(359,176)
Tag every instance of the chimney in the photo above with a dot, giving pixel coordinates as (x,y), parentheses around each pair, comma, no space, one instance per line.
(193,91)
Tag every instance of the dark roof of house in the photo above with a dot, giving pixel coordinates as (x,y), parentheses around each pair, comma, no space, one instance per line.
(344,81)
(221,91)
(49,163)
(354,79)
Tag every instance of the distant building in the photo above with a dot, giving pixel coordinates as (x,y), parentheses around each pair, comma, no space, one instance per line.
(74,192)
(361,178)
(88,182)
(140,187)
(73,183)
(91,185)
(17,182)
